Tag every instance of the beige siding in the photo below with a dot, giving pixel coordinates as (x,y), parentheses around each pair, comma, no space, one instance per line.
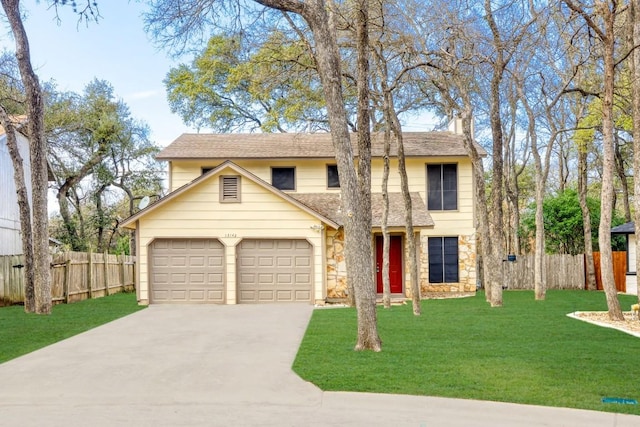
(311,178)
(311,175)
(264,215)
(197,213)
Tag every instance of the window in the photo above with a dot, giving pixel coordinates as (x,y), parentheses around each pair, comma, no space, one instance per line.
(283,178)
(205,170)
(443,260)
(333,180)
(442,187)
(229,189)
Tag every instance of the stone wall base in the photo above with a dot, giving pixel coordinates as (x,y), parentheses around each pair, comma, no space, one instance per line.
(447,295)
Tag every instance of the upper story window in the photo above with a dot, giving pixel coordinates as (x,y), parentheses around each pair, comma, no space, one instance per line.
(283,178)
(442,187)
(333,180)
(230,189)
(207,169)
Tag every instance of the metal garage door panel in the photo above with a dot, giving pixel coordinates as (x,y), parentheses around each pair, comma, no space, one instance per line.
(187,270)
(274,270)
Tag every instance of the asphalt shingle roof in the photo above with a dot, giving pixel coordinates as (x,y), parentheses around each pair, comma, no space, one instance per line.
(297,145)
(628,228)
(329,205)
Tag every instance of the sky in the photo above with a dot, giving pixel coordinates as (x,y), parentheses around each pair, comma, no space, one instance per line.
(116,49)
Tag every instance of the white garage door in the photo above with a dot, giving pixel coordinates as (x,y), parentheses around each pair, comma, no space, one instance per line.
(274,271)
(187,270)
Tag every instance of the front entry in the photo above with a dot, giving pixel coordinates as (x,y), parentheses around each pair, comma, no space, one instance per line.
(395,264)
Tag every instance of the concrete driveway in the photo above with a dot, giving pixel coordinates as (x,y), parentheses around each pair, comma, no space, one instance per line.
(217,365)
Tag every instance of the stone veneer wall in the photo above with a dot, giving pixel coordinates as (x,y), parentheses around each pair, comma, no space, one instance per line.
(336,266)
(337,271)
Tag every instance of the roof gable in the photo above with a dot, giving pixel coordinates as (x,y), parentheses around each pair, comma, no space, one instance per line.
(298,145)
(129,222)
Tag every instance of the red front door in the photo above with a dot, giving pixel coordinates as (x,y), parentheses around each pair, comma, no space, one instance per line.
(395,264)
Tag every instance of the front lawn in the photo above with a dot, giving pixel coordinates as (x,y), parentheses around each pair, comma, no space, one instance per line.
(22,333)
(525,352)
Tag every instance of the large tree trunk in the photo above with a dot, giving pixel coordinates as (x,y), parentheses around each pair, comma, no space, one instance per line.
(38,152)
(356,210)
(386,241)
(497,184)
(608,167)
(408,209)
(24,210)
(363,119)
(479,186)
(586,219)
(541,174)
(635,72)
(386,283)
(622,176)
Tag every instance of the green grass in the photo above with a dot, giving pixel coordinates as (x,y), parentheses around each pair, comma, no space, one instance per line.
(525,352)
(22,333)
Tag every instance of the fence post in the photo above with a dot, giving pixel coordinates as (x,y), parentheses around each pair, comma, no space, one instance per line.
(90,274)
(123,272)
(105,257)
(67,278)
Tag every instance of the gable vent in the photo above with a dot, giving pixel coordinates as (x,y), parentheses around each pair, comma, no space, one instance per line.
(230,190)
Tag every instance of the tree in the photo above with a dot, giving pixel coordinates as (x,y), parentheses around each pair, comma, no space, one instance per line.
(635,79)
(38,154)
(12,102)
(448,75)
(563,223)
(319,16)
(100,155)
(235,85)
(601,18)
(389,58)
(23,206)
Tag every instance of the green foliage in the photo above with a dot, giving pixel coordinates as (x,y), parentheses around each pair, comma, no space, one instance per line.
(102,159)
(122,246)
(11,87)
(526,352)
(230,87)
(563,225)
(22,333)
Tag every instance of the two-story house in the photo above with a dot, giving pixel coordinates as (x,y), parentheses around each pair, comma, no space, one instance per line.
(254,218)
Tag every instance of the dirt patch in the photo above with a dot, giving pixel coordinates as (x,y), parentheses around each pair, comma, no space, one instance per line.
(630,325)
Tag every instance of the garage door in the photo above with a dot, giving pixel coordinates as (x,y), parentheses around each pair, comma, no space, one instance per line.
(187,270)
(274,271)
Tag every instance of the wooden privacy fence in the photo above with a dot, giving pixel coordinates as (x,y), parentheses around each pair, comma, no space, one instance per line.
(562,272)
(619,270)
(75,276)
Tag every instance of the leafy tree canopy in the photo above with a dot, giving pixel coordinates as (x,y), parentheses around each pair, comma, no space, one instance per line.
(230,87)
(563,223)
(102,160)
